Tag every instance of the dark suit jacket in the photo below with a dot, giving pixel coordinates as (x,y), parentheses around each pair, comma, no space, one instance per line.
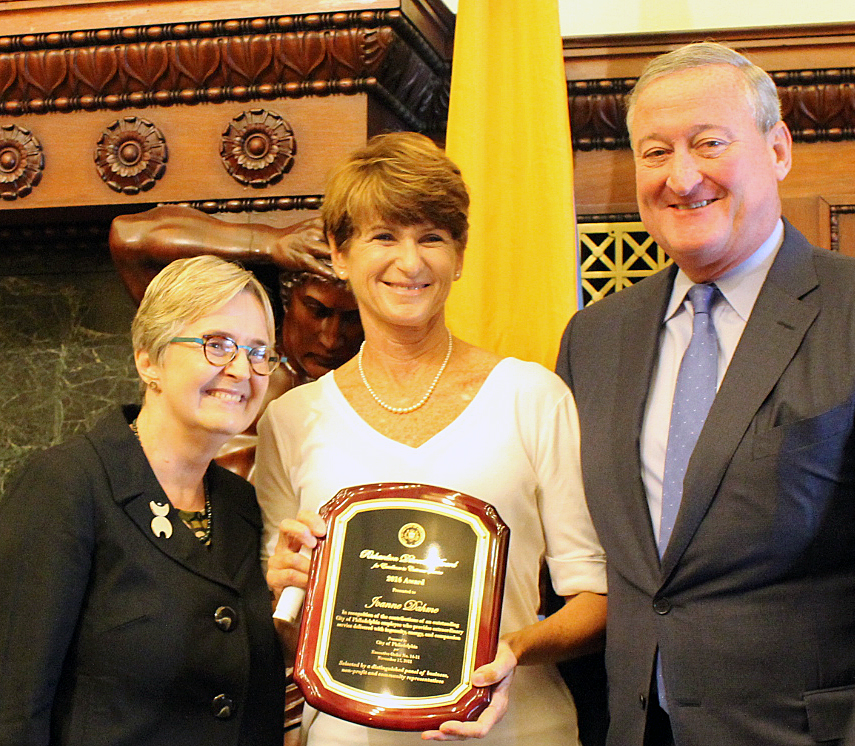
(753,604)
(110,635)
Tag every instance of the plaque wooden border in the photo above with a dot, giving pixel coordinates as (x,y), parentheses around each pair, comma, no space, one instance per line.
(326,689)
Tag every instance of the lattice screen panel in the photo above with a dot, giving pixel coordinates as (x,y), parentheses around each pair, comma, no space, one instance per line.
(614,256)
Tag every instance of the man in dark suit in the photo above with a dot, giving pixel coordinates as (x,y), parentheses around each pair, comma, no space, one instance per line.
(729,527)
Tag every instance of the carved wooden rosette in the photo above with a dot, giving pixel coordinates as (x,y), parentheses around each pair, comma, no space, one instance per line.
(131,155)
(258,147)
(21,161)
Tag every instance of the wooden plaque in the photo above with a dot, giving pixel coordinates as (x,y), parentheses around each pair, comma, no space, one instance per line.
(403,604)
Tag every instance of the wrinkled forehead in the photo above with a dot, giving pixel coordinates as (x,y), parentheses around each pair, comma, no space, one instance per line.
(708,94)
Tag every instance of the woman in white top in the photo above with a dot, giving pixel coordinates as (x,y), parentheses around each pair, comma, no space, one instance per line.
(418,405)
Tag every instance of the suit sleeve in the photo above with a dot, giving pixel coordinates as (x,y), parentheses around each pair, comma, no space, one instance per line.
(46,544)
(562,366)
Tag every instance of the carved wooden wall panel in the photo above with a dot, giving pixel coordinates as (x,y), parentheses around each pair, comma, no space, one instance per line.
(215,108)
(324,129)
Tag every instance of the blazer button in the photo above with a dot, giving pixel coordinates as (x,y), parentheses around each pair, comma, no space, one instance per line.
(222,707)
(661,605)
(225,618)
(642,700)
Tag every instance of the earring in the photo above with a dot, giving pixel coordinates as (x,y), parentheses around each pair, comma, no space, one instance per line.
(153,385)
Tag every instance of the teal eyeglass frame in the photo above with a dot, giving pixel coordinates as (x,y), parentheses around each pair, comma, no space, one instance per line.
(269,362)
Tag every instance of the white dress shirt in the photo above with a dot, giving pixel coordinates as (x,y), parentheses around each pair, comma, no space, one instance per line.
(739,288)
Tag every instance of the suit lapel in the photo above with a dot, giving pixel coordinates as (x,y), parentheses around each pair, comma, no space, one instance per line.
(775,330)
(135,488)
(180,545)
(639,347)
(236,533)
(234,537)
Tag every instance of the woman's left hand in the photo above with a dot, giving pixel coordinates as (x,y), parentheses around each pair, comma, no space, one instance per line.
(497,674)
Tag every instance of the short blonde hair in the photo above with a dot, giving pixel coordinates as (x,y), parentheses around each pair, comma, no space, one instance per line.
(760,89)
(401,177)
(186,290)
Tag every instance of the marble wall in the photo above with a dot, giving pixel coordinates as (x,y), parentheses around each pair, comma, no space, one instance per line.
(65,352)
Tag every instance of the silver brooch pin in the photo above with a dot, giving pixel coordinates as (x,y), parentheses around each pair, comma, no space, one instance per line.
(160,525)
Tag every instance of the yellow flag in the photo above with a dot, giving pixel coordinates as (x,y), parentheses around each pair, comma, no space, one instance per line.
(509,131)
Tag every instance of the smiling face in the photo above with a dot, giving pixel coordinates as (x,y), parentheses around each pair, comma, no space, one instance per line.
(198,396)
(321,329)
(706,177)
(401,275)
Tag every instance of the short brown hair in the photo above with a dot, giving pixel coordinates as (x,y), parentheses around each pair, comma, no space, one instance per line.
(186,290)
(402,177)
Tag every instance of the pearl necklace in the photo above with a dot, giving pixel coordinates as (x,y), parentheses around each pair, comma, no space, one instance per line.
(420,402)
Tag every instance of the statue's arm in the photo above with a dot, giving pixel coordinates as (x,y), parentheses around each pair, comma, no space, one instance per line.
(142,244)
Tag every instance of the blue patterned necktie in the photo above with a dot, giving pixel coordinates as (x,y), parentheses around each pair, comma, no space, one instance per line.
(693,396)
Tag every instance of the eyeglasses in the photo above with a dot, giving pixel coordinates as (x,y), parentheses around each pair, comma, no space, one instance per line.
(220,351)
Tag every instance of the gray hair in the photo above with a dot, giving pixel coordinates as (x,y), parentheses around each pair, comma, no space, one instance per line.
(186,290)
(759,87)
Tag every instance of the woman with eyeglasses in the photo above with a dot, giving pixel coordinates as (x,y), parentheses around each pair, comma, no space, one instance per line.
(134,606)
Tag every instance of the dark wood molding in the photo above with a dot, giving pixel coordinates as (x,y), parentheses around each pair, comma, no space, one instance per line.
(254,205)
(817,105)
(258,147)
(597,113)
(835,212)
(379,52)
(610,217)
(811,65)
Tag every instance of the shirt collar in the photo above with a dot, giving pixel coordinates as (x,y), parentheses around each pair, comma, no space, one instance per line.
(741,285)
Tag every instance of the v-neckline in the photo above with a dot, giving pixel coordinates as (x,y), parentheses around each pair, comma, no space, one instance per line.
(347,407)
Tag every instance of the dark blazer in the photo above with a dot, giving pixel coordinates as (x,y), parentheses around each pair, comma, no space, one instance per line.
(753,604)
(111,635)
